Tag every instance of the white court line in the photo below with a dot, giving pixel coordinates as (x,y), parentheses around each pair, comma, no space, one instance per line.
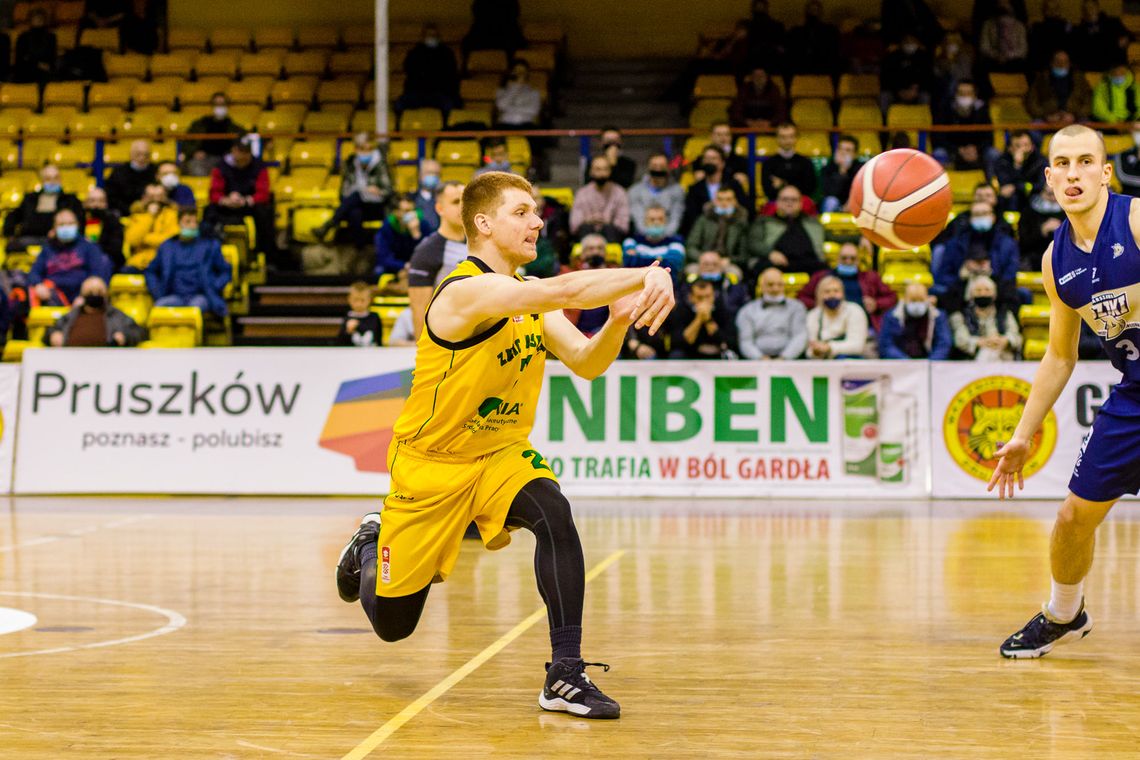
(75,533)
(174,622)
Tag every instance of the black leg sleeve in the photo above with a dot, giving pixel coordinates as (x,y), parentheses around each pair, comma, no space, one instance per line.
(393,618)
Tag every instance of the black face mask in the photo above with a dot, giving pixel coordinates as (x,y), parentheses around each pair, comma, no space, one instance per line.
(710,168)
(594,262)
(983,302)
(95,301)
(659,173)
(601,181)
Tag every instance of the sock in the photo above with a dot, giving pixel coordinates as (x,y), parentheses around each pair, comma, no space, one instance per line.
(1065,601)
(566,642)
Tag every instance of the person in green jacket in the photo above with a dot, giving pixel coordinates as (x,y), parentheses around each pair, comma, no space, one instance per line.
(723,227)
(1116,98)
(791,241)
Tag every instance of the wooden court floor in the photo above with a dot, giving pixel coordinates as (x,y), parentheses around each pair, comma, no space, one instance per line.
(210,628)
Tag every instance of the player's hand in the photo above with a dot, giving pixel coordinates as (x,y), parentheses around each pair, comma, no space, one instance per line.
(1011,458)
(655,300)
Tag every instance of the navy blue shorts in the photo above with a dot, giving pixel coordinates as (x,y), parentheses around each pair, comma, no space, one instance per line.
(1109,463)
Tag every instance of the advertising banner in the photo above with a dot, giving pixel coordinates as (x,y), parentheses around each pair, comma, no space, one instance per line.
(9,398)
(976,407)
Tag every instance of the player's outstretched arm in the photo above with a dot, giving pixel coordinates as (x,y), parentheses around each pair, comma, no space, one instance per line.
(467,304)
(1052,375)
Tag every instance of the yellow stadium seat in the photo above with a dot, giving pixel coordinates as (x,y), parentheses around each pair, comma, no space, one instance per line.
(299,89)
(38,152)
(470,116)
(196,94)
(405,177)
(1035,348)
(157,93)
(793,283)
(859,86)
(14,350)
(306,218)
(43,125)
(309,63)
(142,122)
(311,36)
(232,255)
(456,173)
(274,37)
(365,37)
(708,112)
(129,65)
(224,64)
(245,113)
(19,96)
(518,150)
(564,195)
(540,57)
(1094,78)
(177,64)
(72,154)
(859,112)
(962,184)
(61,116)
(103,39)
(338,91)
(869,142)
(812,86)
(480,89)
(389,308)
(320,153)
(714,86)
(838,224)
(403,151)
(1007,110)
(1008,84)
(253,90)
(812,112)
(814,144)
(200,186)
(266,63)
(9,159)
(325,121)
(909,117)
(352,62)
(281,120)
(544,31)
(363,121)
(174,327)
(898,282)
(1034,320)
(40,319)
(1117,143)
(109,95)
(226,38)
(458,152)
(421,120)
(129,295)
(117,152)
(765,146)
(486,62)
(186,39)
(63,94)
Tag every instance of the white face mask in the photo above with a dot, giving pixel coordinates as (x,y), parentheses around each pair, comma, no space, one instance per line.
(169,181)
(220,112)
(964,103)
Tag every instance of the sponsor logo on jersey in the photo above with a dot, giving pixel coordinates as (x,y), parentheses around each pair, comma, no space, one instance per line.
(1111,310)
(385,564)
(1117,250)
(982,416)
(1070,275)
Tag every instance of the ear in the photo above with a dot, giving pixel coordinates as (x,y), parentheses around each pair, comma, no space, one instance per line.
(1107,173)
(980,411)
(483,224)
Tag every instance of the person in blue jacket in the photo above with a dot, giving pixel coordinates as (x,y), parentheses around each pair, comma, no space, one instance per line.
(915,328)
(189,270)
(67,260)
(403,230)
(982,249)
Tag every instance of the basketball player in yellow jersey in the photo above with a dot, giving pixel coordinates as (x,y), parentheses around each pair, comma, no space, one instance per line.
(460,451)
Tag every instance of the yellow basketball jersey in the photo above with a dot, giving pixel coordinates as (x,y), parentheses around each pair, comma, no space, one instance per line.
(475,396)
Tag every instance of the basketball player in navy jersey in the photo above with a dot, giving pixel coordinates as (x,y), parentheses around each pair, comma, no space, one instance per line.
(1091,271)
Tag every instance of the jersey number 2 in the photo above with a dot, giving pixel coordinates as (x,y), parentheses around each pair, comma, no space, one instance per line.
(536,460)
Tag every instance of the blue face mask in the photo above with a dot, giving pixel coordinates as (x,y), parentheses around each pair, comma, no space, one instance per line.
(189,233)
(981,224)
(430,181)
(1118,81)
(712,276)
(66,233)
(832,303)
(655,231)
(724,211)
(1059,72)
(52,187)
(846,270)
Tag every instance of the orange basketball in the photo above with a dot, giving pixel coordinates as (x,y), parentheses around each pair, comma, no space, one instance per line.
(901,199)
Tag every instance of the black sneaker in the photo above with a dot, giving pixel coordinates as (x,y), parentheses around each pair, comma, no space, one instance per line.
(1042,633)
(348,566)
(569,689)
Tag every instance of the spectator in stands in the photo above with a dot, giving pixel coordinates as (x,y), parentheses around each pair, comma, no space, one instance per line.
(1059,95)
(152,222)
(1126,165)
(731,295)
(497,158)
(654,243)
(403,332)
(494,26)
(103,226)
(1042,216)
(901,18)
(735,166)
(431,75)
(67,260)
(861,45)
(361,326)
(128,181)
(429,171)
(789,241)
(553,238)
(93,321)
(836,328)
(813,47)
(601,206)
(1020,172)
(907,72)
(1100,41)
(860,285)
(189,270)
(239,187)
(773,326)
(365,189)
(1004,40)
(623,169)
(591,255)
(439,253)
(838,174)
(30,223)
(206,154)
(723,227)
(179,194)
(397,239)
(700,330)
(1053,32)
(964,150)
(758,104)
(915,328)
(766,38)
(983,249)
(517,103)
(657,188)
(714,177)
(1116,98)
(35,50)
(786,167)
(985,330)
(953,62)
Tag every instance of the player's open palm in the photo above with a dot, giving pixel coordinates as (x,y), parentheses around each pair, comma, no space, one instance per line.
(1011,458)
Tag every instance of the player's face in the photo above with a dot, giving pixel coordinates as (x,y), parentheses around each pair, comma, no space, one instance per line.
(515,226)
(449,205)
(1077,172)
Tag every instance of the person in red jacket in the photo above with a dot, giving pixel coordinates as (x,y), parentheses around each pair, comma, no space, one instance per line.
(239,187)
(861,286)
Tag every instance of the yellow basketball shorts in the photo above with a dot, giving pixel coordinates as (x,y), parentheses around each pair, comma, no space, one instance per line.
(431,502)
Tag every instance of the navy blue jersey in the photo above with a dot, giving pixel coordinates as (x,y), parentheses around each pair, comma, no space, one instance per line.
(1104,288)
